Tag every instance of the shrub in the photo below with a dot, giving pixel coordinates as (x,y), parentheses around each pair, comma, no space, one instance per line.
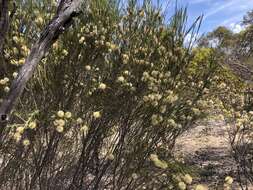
(106,105)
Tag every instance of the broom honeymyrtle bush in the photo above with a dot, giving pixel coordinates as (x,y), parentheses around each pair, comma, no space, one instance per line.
(106,104)
(239,119)
(233,100)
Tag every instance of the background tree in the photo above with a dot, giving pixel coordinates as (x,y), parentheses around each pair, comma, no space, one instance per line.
(248,18)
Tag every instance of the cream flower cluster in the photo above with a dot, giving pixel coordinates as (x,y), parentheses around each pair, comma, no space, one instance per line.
(157,162)
(61,119)
(228,182)
(20,129)
(4,83)
(183,180)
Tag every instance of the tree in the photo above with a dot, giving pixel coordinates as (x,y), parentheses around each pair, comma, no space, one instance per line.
(221,38)
(248,18)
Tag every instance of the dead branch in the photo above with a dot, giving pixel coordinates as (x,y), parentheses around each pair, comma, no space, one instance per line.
(67,9)
(4,22)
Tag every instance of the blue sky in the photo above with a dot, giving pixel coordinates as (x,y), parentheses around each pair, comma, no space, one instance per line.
(216,12)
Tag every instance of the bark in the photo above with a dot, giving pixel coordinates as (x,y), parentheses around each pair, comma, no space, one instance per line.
(4,22)
(67,9)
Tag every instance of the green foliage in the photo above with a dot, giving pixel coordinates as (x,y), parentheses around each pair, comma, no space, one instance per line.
(116,89)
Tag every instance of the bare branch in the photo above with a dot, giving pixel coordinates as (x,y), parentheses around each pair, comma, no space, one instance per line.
(4,22)
(67,9)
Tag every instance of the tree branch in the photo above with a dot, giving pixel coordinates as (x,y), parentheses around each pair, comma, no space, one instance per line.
(4,22)
(67,9)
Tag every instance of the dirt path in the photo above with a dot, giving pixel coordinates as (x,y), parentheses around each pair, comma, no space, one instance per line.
(207,148)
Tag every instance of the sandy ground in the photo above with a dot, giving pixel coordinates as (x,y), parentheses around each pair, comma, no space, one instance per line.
(207,147)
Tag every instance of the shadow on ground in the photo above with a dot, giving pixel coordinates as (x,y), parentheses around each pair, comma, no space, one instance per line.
(207,149)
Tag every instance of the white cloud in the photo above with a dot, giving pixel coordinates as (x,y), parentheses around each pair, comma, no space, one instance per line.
(236,28)
(231,6)
(219,8)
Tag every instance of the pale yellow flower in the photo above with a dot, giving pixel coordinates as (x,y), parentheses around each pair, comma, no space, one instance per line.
(153,157)
(126,72)
(163,109)
(154,73)
(15,75)
(65,52)
(39,20)
(59,128)
(21,61)
(201,187)
(68,115)
(20,130)
(125,58)
(154,120)
(96,114)
(81,40)
(59,122)
(6,89)
(60,113)
(84,128)
(171,122)
(181,185)
(134,176)
(102,86)
(121,79)
(79,120)
(157,162)
(17,136)
(25,49)
(15,38)
(32,125)
(6,79)
(2,82)
(229,180)
(87,67)
(113,47)
(187,179)
(55,45)
(108,44)
(26,142)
